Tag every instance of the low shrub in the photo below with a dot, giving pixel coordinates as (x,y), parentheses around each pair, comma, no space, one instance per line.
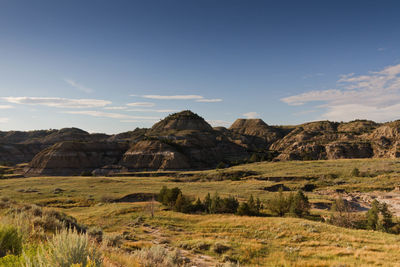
(112,240)
(220,248)
(158,256)
(96,233)
(67,248)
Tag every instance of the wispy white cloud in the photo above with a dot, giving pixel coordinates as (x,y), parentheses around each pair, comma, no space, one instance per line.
(141,104)
(372,96)
(101,114)
(153,110)
(79,86)
(4,120)
(6,106)
(197,98)
(57,102)
(173,97)
(251,115)
(213,100)
(115,108)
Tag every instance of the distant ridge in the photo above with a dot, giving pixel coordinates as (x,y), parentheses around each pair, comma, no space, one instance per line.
(184,140)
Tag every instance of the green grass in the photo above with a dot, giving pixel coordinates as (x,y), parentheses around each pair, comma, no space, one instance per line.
(263,241)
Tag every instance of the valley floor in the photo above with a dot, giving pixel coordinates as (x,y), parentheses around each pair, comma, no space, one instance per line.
(208,240)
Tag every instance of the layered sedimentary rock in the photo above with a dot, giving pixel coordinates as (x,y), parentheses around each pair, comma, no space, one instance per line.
(182,141)
(185,140)
(19,147)
(73,158)
(327,140)
(154,155)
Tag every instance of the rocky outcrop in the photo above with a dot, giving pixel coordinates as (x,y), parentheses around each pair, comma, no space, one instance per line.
(73,158)
(154,155)
(386,140)
(254,134)
(348,150)
(326,140)
(183,140)
(258,128)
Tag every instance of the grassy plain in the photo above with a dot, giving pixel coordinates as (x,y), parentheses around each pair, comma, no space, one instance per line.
(254,241)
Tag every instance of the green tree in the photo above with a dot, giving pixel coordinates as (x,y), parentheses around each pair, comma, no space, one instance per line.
(207,203)
(300,206)
(230,205)
(198,206)
(385,222)
(216,204)
(243,209)
(183,204)
(280,205)
(373,215)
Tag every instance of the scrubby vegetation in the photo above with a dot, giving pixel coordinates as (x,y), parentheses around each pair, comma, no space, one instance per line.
(197,219)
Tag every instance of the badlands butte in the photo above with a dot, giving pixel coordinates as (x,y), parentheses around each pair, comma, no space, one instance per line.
(185,141)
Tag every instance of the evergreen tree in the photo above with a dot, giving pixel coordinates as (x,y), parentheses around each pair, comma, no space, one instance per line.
(207,203)
(385,223)
(230,205)
(280,205)
(243,209)
(162,194)
(216,204)
(299,205)
(198,206)
(373,215)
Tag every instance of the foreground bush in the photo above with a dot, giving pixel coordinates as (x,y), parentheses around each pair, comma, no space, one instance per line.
(65,249)
(10,241)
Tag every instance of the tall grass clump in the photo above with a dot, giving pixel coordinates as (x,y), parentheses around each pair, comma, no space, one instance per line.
(65,249)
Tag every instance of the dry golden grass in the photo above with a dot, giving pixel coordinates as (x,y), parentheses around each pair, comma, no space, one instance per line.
(254,241)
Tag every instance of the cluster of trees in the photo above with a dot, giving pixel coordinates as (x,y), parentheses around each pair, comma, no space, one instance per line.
(175,200)
(377,218)
(290,204)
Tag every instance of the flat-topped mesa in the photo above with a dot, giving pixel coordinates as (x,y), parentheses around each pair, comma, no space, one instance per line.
(181,121)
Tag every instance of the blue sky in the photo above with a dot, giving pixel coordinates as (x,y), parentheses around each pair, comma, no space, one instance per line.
(112,66)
